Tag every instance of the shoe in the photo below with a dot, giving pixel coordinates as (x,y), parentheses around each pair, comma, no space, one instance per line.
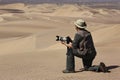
(68,71)
(102,67)
(83,69)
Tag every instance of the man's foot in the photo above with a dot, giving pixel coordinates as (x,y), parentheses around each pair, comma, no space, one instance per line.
(83,69)
(68,71)
(103,67)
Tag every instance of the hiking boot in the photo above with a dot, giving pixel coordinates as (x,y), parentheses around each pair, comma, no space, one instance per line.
(68,71)
(83,69)
(102,67)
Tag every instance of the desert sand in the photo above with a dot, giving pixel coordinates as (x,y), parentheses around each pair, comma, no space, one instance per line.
(28,50)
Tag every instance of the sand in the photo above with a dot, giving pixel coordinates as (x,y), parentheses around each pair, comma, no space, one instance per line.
(28,50)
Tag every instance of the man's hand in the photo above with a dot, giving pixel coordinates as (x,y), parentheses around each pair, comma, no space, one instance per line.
(62,42)
(67,45)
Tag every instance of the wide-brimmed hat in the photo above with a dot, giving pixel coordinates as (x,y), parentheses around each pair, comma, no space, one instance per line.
(80,23)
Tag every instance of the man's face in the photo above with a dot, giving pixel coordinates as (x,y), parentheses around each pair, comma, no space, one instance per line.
(76,28)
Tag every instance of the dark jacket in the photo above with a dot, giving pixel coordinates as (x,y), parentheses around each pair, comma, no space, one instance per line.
(79,36)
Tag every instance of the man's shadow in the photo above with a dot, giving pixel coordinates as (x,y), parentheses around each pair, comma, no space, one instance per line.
(112,67)
(108,68)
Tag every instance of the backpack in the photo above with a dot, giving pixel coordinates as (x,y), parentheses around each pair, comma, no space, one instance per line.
(84,46)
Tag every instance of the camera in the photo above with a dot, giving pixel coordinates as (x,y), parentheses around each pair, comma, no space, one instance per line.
(65,39)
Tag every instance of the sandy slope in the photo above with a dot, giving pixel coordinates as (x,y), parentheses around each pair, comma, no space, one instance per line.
(28,50)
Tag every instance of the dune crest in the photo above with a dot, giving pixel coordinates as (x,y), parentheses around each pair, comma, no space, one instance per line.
(18,45)
(57,46)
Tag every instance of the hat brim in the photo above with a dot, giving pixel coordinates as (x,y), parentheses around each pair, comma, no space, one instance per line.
(83,27)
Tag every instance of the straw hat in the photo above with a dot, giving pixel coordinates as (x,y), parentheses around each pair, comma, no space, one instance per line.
(80,23)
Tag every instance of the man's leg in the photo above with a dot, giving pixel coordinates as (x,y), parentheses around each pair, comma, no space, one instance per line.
(87,62)
(70,62)
(94,68)
(99,68)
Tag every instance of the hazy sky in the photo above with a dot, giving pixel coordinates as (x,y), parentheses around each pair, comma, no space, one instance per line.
(36,1)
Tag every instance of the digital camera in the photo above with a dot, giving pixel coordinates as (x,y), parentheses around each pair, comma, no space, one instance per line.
(65,39)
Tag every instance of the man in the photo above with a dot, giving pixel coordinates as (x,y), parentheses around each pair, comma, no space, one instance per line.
(74,46)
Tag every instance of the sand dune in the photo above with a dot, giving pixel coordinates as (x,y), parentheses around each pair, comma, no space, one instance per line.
(36,16)
(13,6)
(57,10)
(111,35)
(17,45)
(1,19)
(28,46)
(67,10)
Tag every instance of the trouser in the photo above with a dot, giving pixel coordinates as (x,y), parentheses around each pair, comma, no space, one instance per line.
(70,61)
(95,68)
(87,62)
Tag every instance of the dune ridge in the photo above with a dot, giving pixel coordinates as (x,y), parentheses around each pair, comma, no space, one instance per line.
(18,45)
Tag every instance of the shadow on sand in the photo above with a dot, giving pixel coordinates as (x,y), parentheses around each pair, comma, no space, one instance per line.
(112,67)
(107,67)
(13,10)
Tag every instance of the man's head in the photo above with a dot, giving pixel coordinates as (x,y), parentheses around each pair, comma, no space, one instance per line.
(80,24)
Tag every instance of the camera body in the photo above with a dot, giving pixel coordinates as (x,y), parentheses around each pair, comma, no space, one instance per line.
(65,39)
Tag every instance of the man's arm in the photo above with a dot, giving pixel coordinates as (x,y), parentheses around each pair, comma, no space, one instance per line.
(67,45)
(75,42)
(77,39)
